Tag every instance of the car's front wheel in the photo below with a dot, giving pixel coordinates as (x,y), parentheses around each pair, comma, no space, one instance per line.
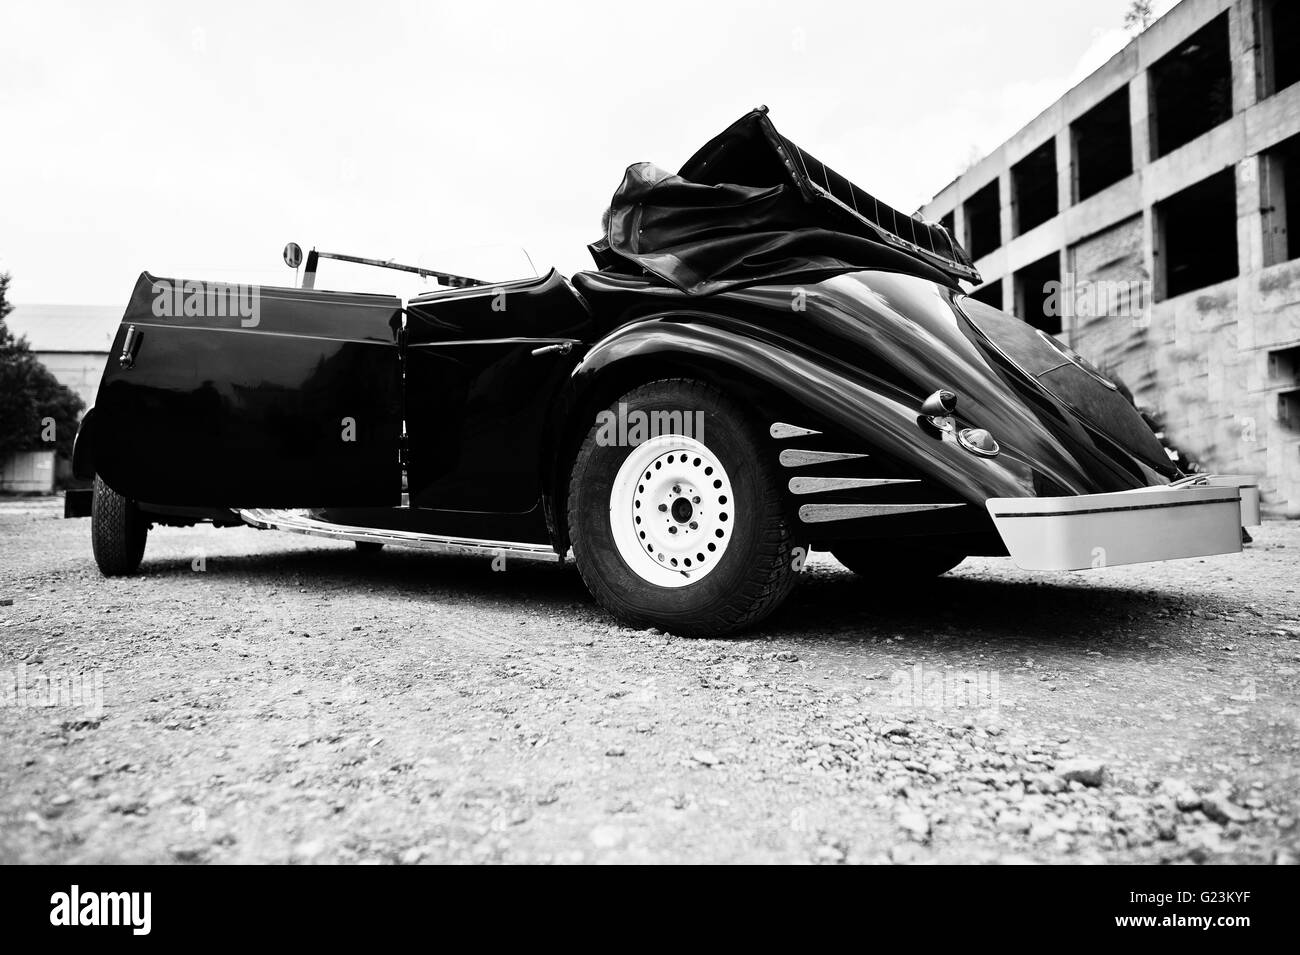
(684,530)
(117,531)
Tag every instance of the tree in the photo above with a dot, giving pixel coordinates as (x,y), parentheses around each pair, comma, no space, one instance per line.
(36,411)
(1138,17)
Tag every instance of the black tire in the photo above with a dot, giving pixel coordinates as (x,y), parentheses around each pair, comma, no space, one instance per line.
(369,547)
(895,562)
(118,531)
(751,575)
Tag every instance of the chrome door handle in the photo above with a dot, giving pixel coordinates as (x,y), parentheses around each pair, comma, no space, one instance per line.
(560,348)
(127,358)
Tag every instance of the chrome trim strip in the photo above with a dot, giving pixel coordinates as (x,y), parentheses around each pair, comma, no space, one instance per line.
(821,513)
(297,522)
(820,485)
(496,341)
(259,330)
(799,459)
(1117,509)
(780,430)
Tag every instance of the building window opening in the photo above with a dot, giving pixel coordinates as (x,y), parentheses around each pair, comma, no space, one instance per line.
(1038,294)
(1284,374)
(1191,88)
(1280,201)
(1279,34)
(983,222)
(1033,188)
(1102,141)
(1197,236)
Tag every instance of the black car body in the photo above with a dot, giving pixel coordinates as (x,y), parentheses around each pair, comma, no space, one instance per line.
(859,400)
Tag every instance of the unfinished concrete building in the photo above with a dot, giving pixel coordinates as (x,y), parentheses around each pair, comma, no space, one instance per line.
(1143,219)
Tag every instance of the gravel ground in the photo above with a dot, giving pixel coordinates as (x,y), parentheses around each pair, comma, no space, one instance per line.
(270,698)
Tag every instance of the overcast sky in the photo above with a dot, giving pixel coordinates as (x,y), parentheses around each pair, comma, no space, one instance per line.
(195,140)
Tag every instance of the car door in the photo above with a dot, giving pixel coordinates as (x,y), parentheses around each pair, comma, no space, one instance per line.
(240,396)
(482,366)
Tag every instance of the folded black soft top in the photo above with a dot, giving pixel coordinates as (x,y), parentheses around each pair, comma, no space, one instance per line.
(751,206)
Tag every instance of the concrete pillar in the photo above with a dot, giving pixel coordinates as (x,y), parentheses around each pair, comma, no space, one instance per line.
(1068,287)
(1149,264)
(1004,205)
(1064,170)
(1139,111)
(1243,47)
(1250,217)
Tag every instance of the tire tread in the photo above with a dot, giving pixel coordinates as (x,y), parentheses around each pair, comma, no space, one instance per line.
(118,532)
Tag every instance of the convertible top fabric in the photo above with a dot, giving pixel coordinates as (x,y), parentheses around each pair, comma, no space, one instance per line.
(751,207)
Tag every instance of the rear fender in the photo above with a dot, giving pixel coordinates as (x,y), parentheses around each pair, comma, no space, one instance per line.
(83,456)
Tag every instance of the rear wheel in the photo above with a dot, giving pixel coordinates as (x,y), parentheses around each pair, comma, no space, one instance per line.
(886,560)
(684,531)
(117,531)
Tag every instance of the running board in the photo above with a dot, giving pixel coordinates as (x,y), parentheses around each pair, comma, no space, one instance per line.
(300,522)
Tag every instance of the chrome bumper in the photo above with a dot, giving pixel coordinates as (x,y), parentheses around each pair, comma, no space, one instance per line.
(1195,517)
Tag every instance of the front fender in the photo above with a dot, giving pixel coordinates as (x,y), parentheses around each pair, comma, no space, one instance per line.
(882,416)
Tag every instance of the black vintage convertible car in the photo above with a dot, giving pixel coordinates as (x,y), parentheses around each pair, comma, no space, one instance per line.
(766,360)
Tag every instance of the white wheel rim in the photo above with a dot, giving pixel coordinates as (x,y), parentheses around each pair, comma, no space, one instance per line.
(672,511)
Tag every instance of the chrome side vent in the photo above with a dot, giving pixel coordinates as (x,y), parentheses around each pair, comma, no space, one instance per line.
(823,485)
(822,513)
(791,458)
(780,430)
